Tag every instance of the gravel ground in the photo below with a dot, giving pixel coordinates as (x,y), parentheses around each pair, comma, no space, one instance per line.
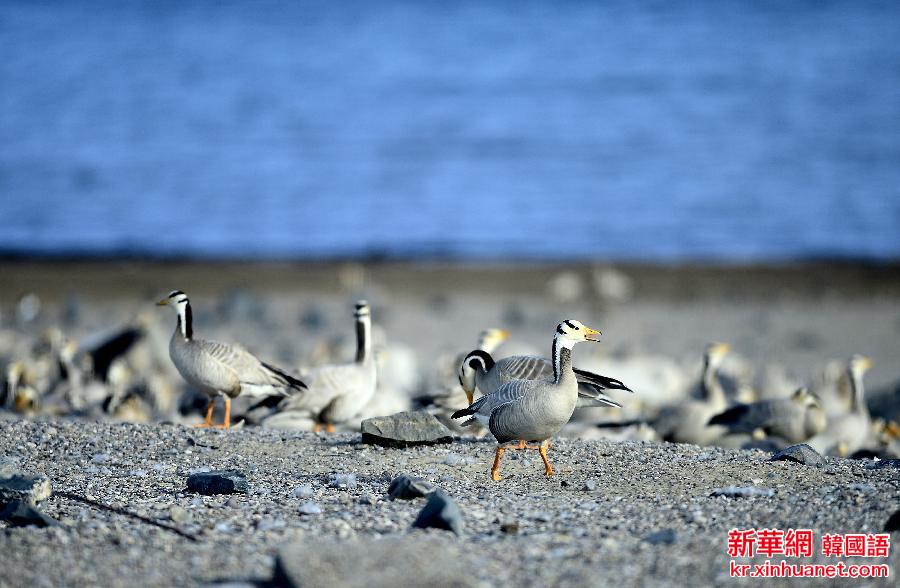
(596,522)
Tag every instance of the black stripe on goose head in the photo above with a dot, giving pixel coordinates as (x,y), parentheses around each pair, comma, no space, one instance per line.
(479,358)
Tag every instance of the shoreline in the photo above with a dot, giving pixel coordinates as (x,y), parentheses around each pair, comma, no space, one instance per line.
(689,281)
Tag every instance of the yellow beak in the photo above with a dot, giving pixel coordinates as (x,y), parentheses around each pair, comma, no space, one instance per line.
(470,396)
(592,335)
(163,302)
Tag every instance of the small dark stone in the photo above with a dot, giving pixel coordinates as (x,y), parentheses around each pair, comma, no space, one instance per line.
(800,453)
(893,523)
(510,528)
(440,512)
(407,487)
(218,482)
(404,429)
(663,537)
(20,514)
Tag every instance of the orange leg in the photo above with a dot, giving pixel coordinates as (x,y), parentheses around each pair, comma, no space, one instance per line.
(317,428)
(548,469)
(226,422)
(495,471)
(207,422)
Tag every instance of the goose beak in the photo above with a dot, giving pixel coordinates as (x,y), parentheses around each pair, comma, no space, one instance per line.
(163,302)
(865,363)
(592,335)
(470,396)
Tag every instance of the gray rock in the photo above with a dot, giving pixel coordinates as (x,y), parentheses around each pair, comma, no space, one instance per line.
(304,491)
(28,489)
(310,508)
(404,429)
(590,484)
(21,514)
(801,453)
(342,480)
(407,487)
(217,482)
(393,561)
(743,491)
(663,537)
(440,512)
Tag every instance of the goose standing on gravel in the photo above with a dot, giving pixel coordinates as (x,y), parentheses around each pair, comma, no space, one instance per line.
(479,370)
(686,422)
(221,369)
(794,419)
(533,410)
(338,392)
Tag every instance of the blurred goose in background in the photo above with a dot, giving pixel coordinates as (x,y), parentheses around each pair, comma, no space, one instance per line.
(336,392)
(686,422)
(533,410)
(851,430)
(453,395)
(221,369)
(14,371)
(791,420)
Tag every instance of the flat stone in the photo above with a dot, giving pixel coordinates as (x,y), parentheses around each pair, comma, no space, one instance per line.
(440,512)
(28,489)
(217,482)
(404,429)
(800,453)
(20,514)
(407,487)
(392,561)
(743,491)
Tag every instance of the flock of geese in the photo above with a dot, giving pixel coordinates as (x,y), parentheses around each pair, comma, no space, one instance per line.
(525,399)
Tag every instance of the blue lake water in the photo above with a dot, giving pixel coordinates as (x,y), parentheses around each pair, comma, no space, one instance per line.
(474,130)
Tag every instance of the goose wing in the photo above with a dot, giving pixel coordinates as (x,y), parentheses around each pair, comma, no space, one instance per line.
(256,377)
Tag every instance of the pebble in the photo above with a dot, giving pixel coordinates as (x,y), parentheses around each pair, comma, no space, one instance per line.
(217,482)
(440,512)
(590,484)
(342,481)
(178,515)
(310,508)
(100,458)
(663,537)
(304,491)
(800,453)
(407,487)
(743,491)
(454,459)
